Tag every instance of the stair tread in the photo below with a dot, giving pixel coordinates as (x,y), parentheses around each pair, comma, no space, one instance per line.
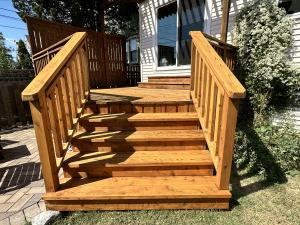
(165,83)
(122,188)
(138,158)
(135,117)
(133,136)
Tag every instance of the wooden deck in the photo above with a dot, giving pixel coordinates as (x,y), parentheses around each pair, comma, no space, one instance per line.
(135,148)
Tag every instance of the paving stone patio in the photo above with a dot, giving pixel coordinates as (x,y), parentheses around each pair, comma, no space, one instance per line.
(21,182)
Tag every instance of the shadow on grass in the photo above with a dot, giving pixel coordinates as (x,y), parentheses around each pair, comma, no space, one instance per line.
(258,161)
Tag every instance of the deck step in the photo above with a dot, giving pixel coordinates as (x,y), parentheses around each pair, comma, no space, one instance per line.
(139,121)
(164,85)
(137,193)
(178,79)
(139,140)
(139,163)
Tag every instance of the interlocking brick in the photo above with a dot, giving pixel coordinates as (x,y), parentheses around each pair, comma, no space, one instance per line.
(20,203)
(18,195)
(4,197)
(5,222)
(31,212)
(5,206)
(17,219)
(42,206)
(36,190)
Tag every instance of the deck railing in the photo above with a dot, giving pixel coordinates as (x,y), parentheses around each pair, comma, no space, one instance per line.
(42,58)
(226,51)
(56,97)
(216,93)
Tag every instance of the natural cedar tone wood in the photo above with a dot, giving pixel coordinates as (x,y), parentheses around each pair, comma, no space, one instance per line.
(216,65)
(141,136)
(72,93)
(140,158)
(171,79)
(67,101)
(225,150)
(54,123)
(78,206)
(41,124)
(51,70)
(138,188)
(61,112)
(164,85)
(225,18)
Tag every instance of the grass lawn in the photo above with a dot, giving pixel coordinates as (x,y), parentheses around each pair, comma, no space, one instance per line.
(255,202)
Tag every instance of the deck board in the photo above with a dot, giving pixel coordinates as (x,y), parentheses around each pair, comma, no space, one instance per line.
(135,95)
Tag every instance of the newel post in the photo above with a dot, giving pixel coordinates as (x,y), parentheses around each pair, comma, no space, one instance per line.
(43,134)
(229,119)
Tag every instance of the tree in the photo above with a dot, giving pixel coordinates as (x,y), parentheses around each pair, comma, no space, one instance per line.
(263,35)
(24,60)
(81,13)
(6,59)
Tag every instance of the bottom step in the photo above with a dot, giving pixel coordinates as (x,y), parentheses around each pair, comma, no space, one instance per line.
(138,193)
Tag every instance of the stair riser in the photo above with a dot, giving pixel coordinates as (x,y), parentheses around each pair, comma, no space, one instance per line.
(151,204)
(139,171)
(137,126)
(165,86)
(106,108)
(185,80)
(87,146)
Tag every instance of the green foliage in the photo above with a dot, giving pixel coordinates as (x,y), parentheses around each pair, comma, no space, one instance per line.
(268,149)
(82,13)
(6,59)
(263,34)
(24,60)
(119,21)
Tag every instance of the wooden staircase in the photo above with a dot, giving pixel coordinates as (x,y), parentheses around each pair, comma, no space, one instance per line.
(135,148)
(126,161)
(167,82)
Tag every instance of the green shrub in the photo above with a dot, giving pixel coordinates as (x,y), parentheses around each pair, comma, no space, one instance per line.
(268,149)
(263,35)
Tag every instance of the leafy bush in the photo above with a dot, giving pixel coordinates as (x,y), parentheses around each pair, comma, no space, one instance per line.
(268,149)
(263,35)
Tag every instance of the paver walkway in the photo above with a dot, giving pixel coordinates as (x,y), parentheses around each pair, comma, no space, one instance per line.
(21,182)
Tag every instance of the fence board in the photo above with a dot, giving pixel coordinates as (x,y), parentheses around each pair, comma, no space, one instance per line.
(13,110)
(106,53)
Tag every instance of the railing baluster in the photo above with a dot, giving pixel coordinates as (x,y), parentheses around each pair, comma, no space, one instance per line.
(67,101)
(72,93)
(61,112)
(53,115)
(215,96)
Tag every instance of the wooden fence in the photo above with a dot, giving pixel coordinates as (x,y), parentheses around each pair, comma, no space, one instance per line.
(12,109)
(133,74)
(106,53)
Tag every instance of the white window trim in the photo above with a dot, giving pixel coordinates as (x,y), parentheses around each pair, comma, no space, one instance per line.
(207,25)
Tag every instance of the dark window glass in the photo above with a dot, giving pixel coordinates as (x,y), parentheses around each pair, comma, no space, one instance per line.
(191,18)
(167,34)
(290,6)
(132,51)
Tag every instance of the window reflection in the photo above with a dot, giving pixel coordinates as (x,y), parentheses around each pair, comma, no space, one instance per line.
(191,18)
(167,34)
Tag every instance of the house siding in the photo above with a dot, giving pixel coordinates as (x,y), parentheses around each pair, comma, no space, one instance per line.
(213,27)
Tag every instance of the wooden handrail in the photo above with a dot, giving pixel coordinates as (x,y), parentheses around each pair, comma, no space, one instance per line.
(230,83)
(57,96)
(46,76)
(215,92)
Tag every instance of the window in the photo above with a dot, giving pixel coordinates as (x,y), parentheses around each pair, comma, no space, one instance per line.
(290,6)
(173,39)
(132,50)
(191,18)
(167,34)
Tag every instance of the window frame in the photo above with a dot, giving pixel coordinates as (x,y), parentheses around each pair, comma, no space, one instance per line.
(207,21)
